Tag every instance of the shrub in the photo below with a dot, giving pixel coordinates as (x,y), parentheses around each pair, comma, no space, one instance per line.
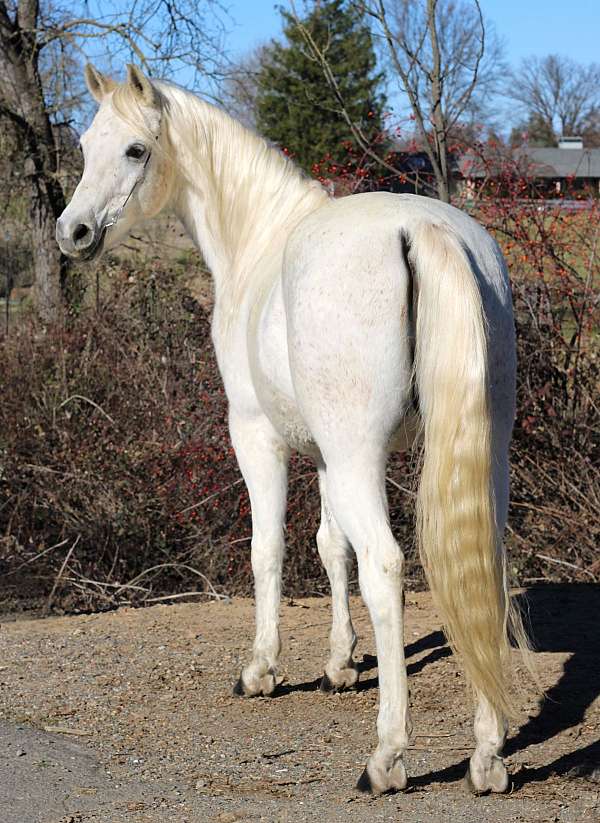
(117,478)
(118,482)
(551,246)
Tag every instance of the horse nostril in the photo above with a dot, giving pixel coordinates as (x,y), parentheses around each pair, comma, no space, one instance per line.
(80,233)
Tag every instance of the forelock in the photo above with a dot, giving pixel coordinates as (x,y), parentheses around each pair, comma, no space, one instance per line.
(142,119)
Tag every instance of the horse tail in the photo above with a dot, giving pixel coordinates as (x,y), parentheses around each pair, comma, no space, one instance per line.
(458,538)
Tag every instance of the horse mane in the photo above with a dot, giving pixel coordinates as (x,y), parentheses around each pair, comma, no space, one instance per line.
(255,194)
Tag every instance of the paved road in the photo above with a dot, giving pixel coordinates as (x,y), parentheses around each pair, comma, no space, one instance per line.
(47,778)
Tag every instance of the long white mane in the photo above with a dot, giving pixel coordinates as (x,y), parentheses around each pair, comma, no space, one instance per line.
(253,194)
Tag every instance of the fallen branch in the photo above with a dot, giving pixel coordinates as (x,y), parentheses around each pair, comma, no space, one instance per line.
(565,563)
(118,586)
(216,595)
(37,556)
(211,496)
(90,593)
(62,568)
(64,730)
(86,400)
(409,492)
(161,566)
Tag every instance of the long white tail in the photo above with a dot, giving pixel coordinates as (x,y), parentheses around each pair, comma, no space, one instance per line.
(460,548)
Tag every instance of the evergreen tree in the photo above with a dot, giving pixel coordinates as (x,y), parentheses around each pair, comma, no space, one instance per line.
(537,132)
(295,106)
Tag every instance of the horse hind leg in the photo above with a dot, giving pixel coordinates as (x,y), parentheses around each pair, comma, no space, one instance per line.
(341,671)
(356,490)
(351,363)
(487,772)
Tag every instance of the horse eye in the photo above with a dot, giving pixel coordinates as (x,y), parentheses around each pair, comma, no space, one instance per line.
(136,151)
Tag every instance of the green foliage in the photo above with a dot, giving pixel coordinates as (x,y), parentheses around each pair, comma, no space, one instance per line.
(537,130)
(295,106)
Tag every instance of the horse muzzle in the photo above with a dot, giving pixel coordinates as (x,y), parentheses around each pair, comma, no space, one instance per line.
(79,239)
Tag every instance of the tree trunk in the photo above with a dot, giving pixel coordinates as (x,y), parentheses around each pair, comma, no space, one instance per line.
(49,265)
(442,177)
(23,108)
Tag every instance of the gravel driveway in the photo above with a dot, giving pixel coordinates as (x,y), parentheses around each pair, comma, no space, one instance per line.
(129,716)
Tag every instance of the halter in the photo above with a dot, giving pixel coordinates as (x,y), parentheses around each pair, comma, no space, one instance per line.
(140,179)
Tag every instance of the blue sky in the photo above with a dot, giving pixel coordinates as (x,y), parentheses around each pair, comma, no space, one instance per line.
(570,27)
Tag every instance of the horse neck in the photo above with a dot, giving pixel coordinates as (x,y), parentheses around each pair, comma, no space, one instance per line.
(239,199)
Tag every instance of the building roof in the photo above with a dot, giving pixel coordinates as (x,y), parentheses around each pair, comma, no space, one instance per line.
(551,162)
(546,162)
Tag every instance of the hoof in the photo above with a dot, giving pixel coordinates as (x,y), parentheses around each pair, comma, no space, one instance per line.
(259,686)
(376,780)
(468,784)
(479,780)
(326,685)
(364,783)
(343,679)
(238,689)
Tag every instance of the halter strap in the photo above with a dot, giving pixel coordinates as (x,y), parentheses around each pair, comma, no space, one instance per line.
(140,179)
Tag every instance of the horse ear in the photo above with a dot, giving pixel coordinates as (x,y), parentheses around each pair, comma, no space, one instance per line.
(98,84)
(142,87)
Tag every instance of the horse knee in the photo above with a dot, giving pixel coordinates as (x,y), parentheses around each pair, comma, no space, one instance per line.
(392,562)
(383,562)
(266,554)
(380,574)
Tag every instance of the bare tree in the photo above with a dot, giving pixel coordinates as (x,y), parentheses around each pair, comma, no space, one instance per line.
(559,93)
(444,63)
(36,94)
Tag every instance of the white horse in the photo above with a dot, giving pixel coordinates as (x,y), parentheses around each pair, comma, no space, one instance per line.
(343,329)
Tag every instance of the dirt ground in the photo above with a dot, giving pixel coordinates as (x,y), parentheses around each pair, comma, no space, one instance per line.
(129,716)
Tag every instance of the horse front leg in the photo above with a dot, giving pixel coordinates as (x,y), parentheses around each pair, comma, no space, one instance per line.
(263,457)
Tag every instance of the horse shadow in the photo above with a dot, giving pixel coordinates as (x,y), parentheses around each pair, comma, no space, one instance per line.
(435,641)
(563,619)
